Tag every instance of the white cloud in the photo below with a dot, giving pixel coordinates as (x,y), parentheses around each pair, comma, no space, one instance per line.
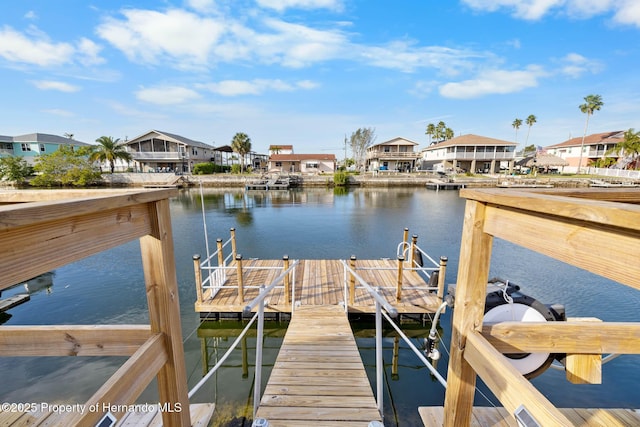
(525,9)
(202,5)
(575,65)
(404,56)
(177,36)
(625,11)
(628,12)
(166,95)
(295,45)
(54,85)
(256,87)
(281,5)
(89,52)
(59,112)
(31,15)
(35,50)
(493,82)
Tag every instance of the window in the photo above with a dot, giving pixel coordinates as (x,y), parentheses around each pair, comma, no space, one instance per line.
(311,165)
(25,147)
(42,148)
(387,149)
(278,164)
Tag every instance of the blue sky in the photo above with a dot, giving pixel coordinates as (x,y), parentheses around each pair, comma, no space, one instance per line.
(309,72)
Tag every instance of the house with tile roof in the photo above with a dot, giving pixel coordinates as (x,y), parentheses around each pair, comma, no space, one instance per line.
(31,145)
(397,154)
(159,151)
(596,146)
(302,163)
(469,153)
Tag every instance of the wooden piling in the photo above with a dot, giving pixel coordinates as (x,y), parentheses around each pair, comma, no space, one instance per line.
(352,281)
(441,277)
(414,243)
(399,282)
(287,285)
(233,242)
(198,277)
(220,254)
(240,280)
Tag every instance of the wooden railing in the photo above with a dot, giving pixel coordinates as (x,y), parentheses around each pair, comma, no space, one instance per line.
(44,230)
(572,226)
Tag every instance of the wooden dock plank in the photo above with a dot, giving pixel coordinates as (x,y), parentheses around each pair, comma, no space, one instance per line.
(318,376)
(321,282)
(485,416)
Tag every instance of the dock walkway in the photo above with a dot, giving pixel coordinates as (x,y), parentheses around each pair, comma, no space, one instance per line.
(321,282)
(318,377)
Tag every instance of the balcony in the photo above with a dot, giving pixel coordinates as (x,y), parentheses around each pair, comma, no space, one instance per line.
(147,156)
(392,155)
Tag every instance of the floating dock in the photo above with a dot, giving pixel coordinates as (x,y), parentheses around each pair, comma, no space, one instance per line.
(437,184)
(318,283)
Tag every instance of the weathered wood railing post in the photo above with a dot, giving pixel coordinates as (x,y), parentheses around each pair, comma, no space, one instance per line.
(399,284)
(240,279)
(233,242)
(220,254)
(473,273)
(352,281)
(287,285)
(405,235)
(414,243)
(164,312)
(198,277)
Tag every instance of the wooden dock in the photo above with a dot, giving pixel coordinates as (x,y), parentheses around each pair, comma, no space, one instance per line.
(318,377)
(481,417)
(321,282)
(12,301)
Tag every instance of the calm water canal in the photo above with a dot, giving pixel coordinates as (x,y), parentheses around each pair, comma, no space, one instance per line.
(310,224)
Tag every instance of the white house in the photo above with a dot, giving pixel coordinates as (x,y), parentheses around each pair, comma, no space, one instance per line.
(469,153)
(596,146)
(157,151)
(395,154)
(302,163)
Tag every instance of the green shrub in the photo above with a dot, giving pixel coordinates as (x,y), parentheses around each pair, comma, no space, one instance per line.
(236,168)
(340,178)
(203,168)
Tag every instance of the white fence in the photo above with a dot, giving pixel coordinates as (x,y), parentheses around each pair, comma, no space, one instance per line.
(617,173)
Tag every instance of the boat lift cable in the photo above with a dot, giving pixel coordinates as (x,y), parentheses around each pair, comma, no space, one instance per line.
(223,358)
(204,221)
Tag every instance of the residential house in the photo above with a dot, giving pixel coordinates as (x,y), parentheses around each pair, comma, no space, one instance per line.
(396,154)
(469,153)
(225,156)
(302,163)
(596,146)
(157,151)
(31,145)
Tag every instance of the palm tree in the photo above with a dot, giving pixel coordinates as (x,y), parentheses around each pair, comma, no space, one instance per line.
(592,104)
(109,150)
(431,131)
(448,133)
(440,131)
(241,144)
(516,125)
(629,146)
(530,121)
